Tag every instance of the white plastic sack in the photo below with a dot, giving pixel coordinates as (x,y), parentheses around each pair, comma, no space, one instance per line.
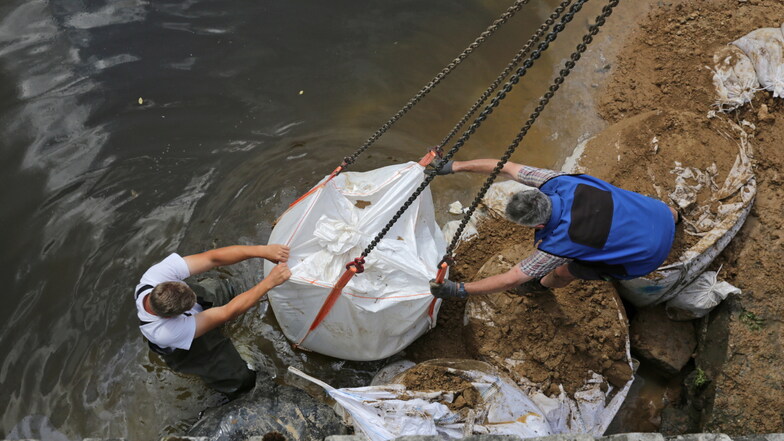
(590,411)
(382,310)
(389,411)
(699,297)
(765,48)
(734,78)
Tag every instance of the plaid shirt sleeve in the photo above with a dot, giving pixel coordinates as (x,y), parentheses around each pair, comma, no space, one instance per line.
(539,264)
(535,177)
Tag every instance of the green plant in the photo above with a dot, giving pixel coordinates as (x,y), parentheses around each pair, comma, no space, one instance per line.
(700,378)
(751,320)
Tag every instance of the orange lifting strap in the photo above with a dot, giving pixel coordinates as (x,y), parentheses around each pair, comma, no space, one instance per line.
(352,268)
(440,276)
(312,190)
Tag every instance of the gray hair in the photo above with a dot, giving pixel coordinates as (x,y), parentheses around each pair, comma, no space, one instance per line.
(529,208)
(169,299)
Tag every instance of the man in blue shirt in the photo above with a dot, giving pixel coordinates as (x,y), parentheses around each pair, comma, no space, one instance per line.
(585,229)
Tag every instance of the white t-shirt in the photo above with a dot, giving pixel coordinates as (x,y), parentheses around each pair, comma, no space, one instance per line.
(175,332)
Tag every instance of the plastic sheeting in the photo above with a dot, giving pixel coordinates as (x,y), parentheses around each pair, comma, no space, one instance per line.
(382,310)
(385,412)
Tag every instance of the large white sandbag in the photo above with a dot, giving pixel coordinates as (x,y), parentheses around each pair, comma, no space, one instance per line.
(382,310)
(734,78)
(765,48)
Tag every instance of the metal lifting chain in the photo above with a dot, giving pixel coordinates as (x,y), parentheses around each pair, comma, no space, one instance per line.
(512,64)
(563,73)
(478,121)
(518,4)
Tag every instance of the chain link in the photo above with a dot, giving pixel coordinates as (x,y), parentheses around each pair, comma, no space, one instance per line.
(512,64)
(518,4)
(562,74)
(431,174)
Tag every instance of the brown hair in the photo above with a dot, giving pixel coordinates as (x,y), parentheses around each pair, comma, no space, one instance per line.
(171,298)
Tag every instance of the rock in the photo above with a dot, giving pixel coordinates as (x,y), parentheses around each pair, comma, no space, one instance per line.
(712,354)
(633,437)
(701,437)
(675,421)
(666,344)
(356,437)
(270,407)
(761,437)
(764,113)
(489,438)
(565,437)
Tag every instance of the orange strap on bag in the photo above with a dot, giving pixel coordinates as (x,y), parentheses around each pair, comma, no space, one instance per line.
(440,276)
(352,268)
(430,156)
(314,189)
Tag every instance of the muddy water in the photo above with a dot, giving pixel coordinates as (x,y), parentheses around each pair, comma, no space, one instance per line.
(133,129)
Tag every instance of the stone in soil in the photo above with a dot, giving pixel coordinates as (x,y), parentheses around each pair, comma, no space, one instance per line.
(666,344)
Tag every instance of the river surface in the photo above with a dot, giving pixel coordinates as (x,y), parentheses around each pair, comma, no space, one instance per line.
(132,129)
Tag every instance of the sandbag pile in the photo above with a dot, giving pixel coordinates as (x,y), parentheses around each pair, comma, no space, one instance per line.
(751,63)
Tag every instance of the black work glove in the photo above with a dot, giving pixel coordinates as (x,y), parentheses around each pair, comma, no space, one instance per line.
(446,169)
(533,286)
(448,289)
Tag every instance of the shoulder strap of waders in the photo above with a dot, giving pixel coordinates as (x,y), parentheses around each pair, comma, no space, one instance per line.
(142,289)
(153,347)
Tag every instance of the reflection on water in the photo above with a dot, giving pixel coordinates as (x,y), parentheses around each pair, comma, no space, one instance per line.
(244,106)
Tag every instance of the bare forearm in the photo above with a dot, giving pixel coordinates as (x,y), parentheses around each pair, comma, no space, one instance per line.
(243,302)
(485,166)
(498,283)
(235,253)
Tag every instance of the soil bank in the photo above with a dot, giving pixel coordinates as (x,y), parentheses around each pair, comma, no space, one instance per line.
(661,67)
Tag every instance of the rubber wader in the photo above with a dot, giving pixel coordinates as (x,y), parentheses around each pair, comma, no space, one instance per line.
(212,356)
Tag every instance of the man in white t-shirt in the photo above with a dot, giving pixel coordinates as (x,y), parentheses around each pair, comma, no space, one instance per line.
(180,320)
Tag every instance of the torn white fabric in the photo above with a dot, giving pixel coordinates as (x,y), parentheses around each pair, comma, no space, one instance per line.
(386,412)
(734,78)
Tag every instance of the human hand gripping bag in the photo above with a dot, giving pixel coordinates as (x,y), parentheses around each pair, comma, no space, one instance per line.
(381,310)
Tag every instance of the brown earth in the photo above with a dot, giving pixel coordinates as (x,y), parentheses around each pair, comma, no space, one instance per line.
(433,378)
(551,338)
(446,340)
(662,68)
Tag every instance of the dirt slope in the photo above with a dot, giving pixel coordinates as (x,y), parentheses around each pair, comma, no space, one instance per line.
(662,68)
